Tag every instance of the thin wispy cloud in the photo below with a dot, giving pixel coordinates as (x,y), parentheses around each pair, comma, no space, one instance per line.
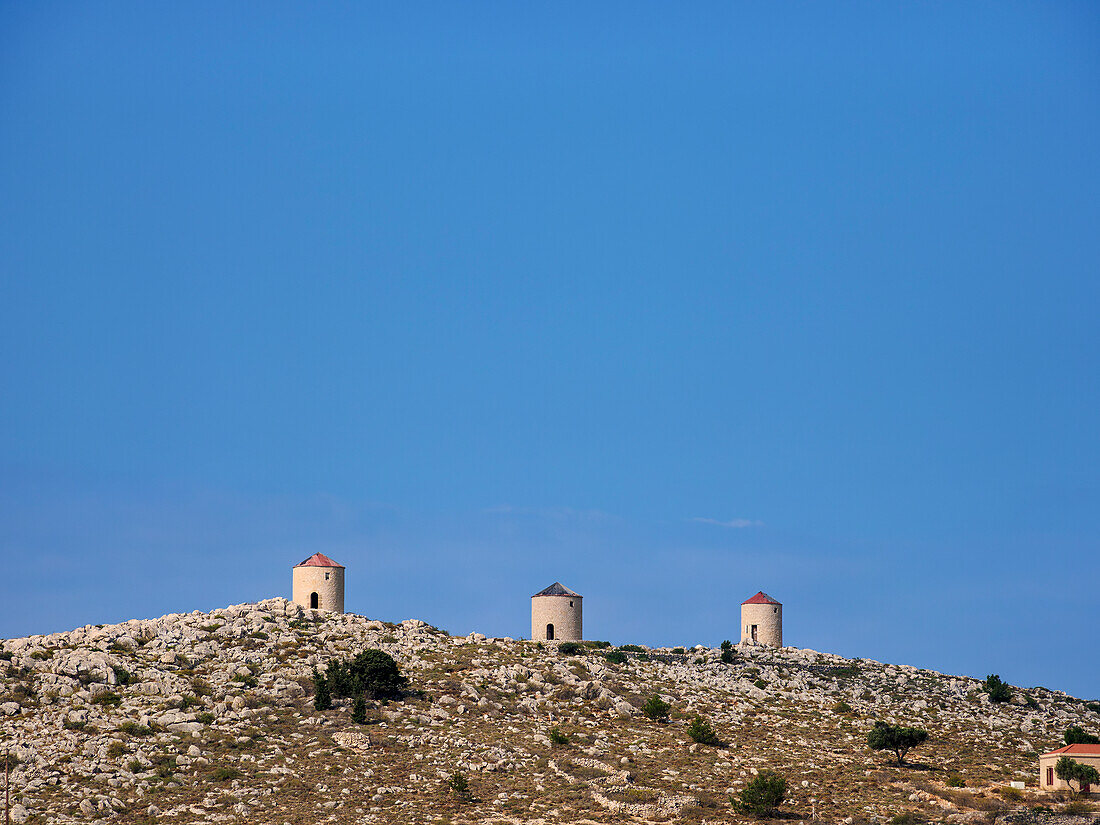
(736,523)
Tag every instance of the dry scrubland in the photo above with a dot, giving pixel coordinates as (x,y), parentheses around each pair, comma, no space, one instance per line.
(208,717)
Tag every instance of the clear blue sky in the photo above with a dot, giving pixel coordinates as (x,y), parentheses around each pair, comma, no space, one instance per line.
(670,303)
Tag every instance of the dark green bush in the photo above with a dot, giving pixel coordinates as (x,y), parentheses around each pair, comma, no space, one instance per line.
(136,730)
(679,651)
(727,645)
(206,717)
(700,731)
(322,696)
(762,796)
(761,684)
(122,675)
(569,648)
(223,774)
(372,674)
(1077,735)
(109,699)
(842,707)
(998,691)
(727,657)
(656,708)
(616,657)
(1093,706)
(632,648)
(954,781)
(459,785)
(557,737)
(597,645)
(359,711)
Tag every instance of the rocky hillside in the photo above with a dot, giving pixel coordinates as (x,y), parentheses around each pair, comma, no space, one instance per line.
(209,717)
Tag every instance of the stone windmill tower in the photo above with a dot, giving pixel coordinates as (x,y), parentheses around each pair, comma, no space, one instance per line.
(556,614)
(319,584)
(762,621)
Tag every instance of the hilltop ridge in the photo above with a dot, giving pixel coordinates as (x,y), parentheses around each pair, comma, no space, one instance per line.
(208,717)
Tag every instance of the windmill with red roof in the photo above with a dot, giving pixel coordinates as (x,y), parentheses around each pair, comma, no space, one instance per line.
(319,584)
(762,621)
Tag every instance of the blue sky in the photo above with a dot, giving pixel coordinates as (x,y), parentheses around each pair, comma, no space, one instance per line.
(670,304)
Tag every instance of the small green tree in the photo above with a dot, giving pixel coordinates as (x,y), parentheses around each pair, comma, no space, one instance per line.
(1070,770)
(700,731)
(359,711)
(616,657)
(897,738)
(998,691)
(570,649)
(761,797)
(372,673)
(727,645)
(656,708)
(322,696)
(557,737)
(1076,735)
(459,785)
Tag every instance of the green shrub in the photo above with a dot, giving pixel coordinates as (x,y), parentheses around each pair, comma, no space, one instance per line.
(656,708)
(135,730)
(1031,703)
(727,645)
(842,707)
(557,737)
(616,657)
(187,702)
(200,687)
(1011,794)
(359,711)
(632,648)
(569,648)
(727,657)
(761,684)
(679,651)
(135,766)
(249,681)
(459,785)
(1076,735)
(762,796)
(206,717)
(73,725)
(116,750)
(998,691)
(1093,706)
(322,696)
(373,674)
(110,699)
(955,781)
(122,675)
(224,774)
(597,645)
(896,738)
(700,731)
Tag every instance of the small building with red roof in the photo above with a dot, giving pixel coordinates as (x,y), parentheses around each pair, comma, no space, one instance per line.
(318,584)
(1085,754)
(762,621)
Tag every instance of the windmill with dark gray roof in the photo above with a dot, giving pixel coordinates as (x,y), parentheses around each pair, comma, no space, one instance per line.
(556,614)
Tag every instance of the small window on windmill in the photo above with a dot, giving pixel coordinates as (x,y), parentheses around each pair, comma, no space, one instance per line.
(326,576)
(570,603)
(774,609)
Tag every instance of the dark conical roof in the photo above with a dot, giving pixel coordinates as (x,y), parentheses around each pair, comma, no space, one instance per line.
(557,589)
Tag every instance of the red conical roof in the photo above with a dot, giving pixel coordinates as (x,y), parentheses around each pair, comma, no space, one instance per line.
(762,598)
(318,560)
